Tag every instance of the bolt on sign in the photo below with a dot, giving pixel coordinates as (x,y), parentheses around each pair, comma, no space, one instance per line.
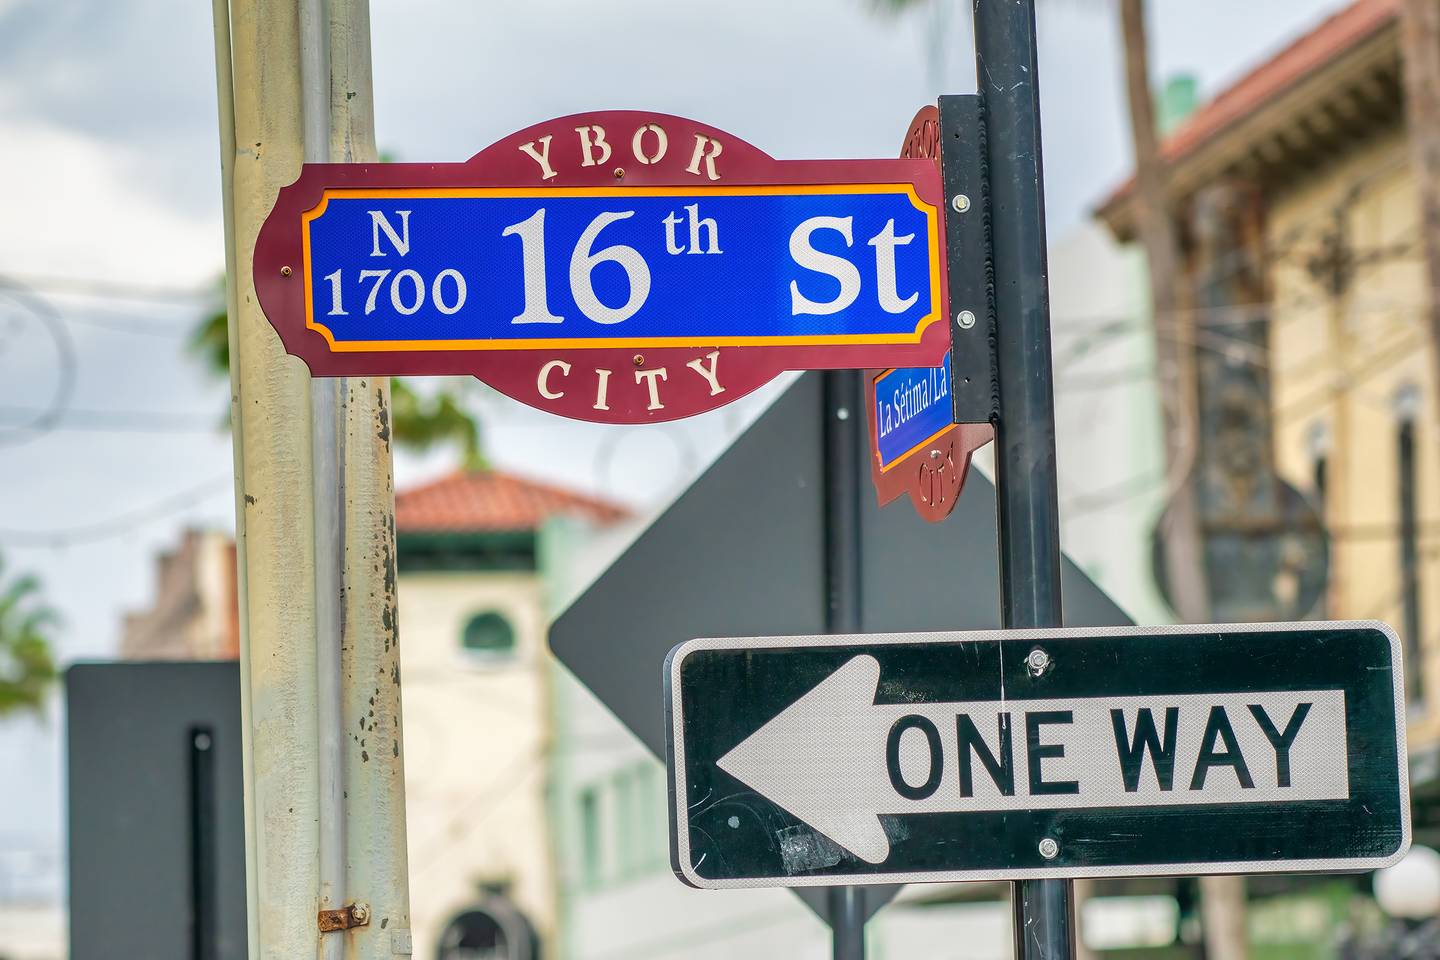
(619,267)
(1087,752)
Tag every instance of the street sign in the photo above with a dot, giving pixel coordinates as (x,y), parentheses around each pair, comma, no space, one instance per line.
(926,423)
(619,266)
(682,576)
(1026,754)
(915,445)
(912,409)
(155,811)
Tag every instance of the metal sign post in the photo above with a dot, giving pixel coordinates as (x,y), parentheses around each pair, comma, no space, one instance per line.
(315,541)
(1028,511)
(842,594)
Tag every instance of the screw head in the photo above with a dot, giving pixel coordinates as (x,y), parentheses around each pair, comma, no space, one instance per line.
(639,360)
(961,203)
(619,173)
(360,913)
(284,271)
(842,414)
(1038,661)
(1049,849)
(965,319)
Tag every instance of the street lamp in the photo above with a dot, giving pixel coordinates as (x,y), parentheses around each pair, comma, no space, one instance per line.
(1411,888)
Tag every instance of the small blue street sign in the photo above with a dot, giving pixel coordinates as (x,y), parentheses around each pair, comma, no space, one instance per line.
(912,409)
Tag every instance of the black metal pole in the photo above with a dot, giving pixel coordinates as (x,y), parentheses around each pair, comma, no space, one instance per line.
(842,584)
(842,500)
(847,923)
(204,855)
(1005,67)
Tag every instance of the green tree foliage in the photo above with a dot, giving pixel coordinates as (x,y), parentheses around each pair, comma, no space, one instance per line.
(421,421)
(27,666)
(895,7)
(210,341)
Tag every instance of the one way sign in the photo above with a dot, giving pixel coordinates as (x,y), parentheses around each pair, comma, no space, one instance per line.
(1057,753)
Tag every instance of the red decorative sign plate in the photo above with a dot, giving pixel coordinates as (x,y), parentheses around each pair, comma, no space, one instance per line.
(915,447)
(620,267)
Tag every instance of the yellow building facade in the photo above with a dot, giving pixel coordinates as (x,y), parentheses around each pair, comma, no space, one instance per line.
(1309,151)
(1354,406)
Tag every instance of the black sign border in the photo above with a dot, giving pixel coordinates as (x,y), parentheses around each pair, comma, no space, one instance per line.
(1374,822)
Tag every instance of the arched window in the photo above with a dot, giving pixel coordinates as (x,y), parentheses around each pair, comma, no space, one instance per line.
(489,634)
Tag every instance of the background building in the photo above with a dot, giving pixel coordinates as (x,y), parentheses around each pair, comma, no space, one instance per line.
(194,615)
(476,704)
(1306,321)
(476,674)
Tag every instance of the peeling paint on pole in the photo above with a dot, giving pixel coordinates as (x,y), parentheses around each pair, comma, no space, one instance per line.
(274,466)
(271,394)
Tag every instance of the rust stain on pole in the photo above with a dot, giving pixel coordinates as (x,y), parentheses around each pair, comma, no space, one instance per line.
(354,915)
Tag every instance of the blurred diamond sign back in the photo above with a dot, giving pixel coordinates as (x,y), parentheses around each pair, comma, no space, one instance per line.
(619,267)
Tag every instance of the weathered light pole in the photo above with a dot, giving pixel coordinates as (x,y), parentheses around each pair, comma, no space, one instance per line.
(325,807)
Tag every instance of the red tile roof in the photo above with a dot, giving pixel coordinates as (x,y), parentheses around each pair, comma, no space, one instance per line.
(490,500)
(1338,33)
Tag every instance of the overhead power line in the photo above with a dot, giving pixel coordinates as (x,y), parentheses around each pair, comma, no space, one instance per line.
(44,421)
(117,421)
(145,328)
(117,525)
(108,289)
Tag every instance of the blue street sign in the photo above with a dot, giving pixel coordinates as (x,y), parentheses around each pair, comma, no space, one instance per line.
(505,268)
(616,266)
(912,408)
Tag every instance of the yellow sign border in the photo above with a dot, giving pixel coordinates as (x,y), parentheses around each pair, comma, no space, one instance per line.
(592,343)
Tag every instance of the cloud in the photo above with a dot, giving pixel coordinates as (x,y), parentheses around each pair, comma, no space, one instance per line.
(137,76)
(804,78)
(70,210)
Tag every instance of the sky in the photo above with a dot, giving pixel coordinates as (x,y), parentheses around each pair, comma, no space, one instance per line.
(109,184)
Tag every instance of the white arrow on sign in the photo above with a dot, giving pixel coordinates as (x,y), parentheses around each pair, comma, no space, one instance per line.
(838,761)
